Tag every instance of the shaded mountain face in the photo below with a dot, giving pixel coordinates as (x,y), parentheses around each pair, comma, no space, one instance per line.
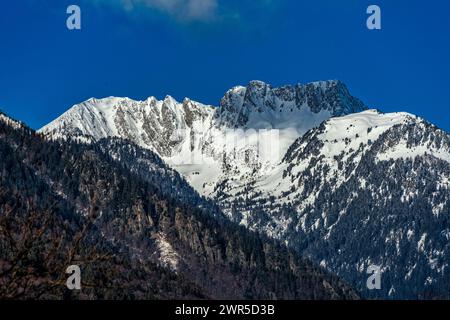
(348,187)
(151,168)
(132,231)
(42,232)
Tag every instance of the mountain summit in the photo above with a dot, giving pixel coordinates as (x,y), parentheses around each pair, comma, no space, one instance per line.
(190,133)
(255,106)
(259,105)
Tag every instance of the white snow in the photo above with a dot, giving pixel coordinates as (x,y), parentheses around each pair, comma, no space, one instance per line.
(10,122)
(168,257)
(342,136)
(421,243)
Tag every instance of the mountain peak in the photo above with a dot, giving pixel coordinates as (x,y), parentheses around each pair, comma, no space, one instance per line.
(169,98)
(259,99)
(257,84)
(152,123)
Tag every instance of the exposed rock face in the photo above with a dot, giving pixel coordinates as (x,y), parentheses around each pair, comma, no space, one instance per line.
(246,107)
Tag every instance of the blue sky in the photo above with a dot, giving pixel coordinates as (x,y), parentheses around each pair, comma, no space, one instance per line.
(201,48)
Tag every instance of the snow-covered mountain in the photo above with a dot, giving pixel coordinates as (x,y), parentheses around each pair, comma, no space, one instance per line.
(151,123)
(309,165)
(133,227)
(339,145)
(212,146)
(359,190)
(259,106)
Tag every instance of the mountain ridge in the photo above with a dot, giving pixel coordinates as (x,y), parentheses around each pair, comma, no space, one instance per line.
(190,133)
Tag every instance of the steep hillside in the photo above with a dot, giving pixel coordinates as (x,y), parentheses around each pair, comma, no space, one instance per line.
(68,203)
(359,190)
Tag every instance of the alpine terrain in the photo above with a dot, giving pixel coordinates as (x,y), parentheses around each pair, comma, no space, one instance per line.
(135,228)
(309,166)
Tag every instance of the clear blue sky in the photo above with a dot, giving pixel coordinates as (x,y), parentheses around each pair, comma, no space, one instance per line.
(201,48)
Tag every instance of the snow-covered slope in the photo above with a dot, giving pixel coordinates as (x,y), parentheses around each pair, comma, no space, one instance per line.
(13,123)
(150,124)
(339,140)
(213,148)
(366,188)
